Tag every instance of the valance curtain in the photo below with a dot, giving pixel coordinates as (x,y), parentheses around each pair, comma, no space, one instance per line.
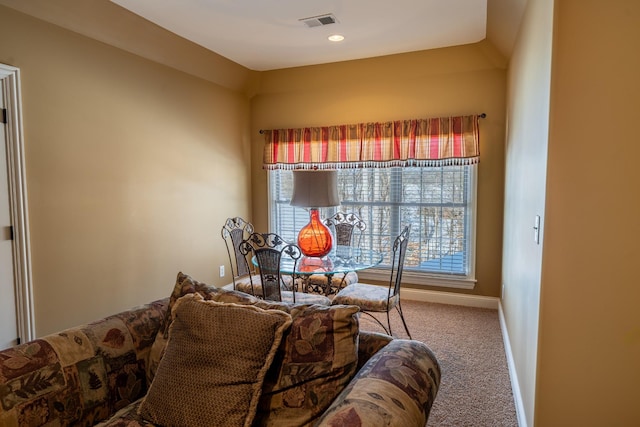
(421,142)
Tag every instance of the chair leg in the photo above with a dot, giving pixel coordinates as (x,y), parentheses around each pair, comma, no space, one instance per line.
(399,308)
(386,331)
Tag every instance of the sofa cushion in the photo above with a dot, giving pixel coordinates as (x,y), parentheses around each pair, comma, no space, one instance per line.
(297,389)
(81,375)
(218,355)
(315,361)
(186,285)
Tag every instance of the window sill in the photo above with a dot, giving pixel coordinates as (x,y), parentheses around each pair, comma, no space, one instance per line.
(414,278)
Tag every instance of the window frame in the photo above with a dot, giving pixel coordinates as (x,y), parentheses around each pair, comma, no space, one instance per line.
(424,278)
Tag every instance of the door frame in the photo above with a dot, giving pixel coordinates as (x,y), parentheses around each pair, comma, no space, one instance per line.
(10,85)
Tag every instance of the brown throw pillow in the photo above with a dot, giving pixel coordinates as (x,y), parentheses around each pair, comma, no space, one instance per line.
(186,285)
(214,365)
(316,360)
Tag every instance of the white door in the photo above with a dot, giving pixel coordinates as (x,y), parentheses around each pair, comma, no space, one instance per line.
(8,313)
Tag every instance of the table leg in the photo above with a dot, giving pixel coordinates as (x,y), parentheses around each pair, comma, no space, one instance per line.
(327,290)
(304,279)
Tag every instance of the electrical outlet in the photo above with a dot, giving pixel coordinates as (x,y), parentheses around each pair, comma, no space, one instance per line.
(222,271)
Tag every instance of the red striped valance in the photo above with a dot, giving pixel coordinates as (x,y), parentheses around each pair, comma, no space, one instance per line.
(421,142)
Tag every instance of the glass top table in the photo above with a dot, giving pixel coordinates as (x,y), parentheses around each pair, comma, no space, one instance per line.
(341,259)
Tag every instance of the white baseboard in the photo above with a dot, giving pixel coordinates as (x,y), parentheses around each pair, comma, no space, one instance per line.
(481,302)
(450,298)
(515,385)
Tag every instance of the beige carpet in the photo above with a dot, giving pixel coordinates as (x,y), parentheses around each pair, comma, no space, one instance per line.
(475,389)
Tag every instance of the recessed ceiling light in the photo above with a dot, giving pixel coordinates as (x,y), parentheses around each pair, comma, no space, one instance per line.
(336,38)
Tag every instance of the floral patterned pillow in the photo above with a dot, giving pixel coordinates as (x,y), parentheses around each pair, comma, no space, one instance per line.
(316,360)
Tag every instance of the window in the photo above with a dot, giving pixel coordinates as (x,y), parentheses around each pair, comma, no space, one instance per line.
(438,202)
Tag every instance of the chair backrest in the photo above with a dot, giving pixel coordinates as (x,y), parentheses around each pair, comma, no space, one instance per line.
(397,264)
(234,231)
(346,226)
(267,248)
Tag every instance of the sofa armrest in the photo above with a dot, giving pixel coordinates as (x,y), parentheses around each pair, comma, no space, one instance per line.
(397,386)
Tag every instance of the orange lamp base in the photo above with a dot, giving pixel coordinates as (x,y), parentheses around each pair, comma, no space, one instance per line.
(315,238)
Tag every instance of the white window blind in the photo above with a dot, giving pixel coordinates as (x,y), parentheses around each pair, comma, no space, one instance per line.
(437,201)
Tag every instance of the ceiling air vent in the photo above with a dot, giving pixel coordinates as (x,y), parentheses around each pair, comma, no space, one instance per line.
(320,20)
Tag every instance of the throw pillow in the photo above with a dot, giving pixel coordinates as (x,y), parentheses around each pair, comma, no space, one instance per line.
(186,285)
(316,360)
(217,357)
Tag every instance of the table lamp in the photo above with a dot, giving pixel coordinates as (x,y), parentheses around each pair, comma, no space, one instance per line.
(315,189)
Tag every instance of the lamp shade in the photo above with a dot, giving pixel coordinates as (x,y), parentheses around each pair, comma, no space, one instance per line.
(315,188)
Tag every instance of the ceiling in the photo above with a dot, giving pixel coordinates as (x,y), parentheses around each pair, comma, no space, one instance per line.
(269,34)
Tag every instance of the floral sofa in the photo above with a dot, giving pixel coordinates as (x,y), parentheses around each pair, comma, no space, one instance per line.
(125,370)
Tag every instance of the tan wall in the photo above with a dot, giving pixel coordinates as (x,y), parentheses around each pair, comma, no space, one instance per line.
(132,168)
(572,309)
(525,191)
(454,81)
(589,346)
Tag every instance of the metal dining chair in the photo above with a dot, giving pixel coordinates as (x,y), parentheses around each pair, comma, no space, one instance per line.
(267,250)
(347,228)
(234,231)
(373,298)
